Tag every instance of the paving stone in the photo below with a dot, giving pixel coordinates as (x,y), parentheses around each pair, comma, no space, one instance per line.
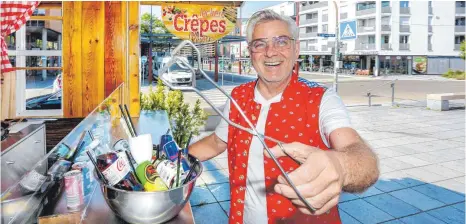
(452,185)
(423,218)
(211,165)
(423,175)
(395,164)
(364,211)
(370,192)
(347,219)
(208,214)
(412,160)
(439,193)
(215,176)
(387,185)
(395,221)
(459,206)
(223,162)
(457,165)
(226,207)
(416,199)
(345,196)
(201,195)
(448,214)
(391,205)
(459,179)
(385,168)
(441,170)
(221,192)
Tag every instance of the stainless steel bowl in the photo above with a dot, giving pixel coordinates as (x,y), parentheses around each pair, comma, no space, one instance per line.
(150,207)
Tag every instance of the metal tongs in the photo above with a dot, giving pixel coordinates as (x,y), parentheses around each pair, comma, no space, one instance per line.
(252,130)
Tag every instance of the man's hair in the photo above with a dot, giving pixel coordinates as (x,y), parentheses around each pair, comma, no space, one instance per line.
(269,15)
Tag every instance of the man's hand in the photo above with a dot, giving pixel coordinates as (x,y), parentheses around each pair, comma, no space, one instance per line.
(319,179)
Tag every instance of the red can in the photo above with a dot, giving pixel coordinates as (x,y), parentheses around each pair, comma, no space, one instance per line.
(74,189)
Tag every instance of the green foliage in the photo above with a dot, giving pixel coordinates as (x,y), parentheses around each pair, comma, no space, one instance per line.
(460,75)
(157,24)
(183,119)
(463,50)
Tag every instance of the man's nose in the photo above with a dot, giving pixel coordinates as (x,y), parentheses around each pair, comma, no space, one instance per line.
(270,51)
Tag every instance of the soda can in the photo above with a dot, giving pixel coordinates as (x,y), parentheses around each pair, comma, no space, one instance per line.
(167,171)
(121,144)
(74,189)
(87,181)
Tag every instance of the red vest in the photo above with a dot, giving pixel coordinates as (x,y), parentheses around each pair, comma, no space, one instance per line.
(294,119)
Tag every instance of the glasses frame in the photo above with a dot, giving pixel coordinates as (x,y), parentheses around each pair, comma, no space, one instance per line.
(268,45)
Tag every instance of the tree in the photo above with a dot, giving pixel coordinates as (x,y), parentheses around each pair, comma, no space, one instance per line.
(157,24)
(463,50)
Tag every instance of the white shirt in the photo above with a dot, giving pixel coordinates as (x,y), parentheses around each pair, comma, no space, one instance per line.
(332,115)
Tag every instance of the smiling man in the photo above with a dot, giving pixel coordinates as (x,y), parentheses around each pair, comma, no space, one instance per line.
(311,120)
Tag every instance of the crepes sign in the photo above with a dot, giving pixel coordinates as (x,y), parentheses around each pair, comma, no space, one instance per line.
(198,23)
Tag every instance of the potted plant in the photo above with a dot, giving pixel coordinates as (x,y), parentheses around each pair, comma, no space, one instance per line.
(184,120)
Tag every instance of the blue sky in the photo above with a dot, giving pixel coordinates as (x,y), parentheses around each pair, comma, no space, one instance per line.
(249,7)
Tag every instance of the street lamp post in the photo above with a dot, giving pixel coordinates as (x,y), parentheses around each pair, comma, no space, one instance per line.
(337,48)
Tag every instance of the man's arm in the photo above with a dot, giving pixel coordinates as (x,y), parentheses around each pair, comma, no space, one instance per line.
(359,163)
(207,147)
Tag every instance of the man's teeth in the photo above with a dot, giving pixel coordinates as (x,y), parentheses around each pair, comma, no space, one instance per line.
(272,63)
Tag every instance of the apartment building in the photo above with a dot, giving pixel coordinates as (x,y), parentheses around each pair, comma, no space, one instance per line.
(393,37)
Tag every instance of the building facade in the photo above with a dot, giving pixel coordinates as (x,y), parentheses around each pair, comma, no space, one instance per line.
(392,37)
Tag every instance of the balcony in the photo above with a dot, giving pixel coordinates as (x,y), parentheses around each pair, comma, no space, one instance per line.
(430,11)
(460,29)
(304,35)
(365,12)
(343,15)
(457,47)
(429,27)
(313,6)
(308,21)
(404,29)
(386,47)
(363,29)
(405,10)
(364,46)
(386,9)
(386,28)
(460,10)
(325,18)
(404,47)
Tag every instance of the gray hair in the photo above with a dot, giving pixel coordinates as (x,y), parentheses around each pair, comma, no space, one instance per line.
(269,15)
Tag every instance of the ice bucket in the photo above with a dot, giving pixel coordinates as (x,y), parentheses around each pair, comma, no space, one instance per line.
(150,207)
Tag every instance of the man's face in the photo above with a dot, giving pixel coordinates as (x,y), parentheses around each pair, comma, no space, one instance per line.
(273,64)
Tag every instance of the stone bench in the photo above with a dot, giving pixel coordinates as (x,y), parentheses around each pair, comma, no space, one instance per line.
(440,102)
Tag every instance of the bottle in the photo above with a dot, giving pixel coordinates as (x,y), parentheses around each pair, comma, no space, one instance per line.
(149,177)
(117,172)
(171,150)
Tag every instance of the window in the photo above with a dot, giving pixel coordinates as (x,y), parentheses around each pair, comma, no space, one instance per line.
(385,3)
(36,52)
(404,4)
(460,21)
(404,20)
(460,4)
(365,5)
(385,20)
(385,39)
(430,21)
(312,29)
(429,42)
(404,39)
(371,39)
(459,39)
(430,4)
(324,28)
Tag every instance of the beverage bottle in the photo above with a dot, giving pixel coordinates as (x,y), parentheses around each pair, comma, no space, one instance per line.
(149,177)
(117,171)
(170,149)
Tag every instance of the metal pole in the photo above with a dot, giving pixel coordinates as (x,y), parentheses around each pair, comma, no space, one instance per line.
(393,93)
(149,73)
(337,49)
(369,96)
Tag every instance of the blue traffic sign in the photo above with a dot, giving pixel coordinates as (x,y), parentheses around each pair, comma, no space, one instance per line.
(326,35)
(348,30)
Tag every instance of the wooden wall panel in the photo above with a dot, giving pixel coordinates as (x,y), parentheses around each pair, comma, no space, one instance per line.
(93,55)
(114,44)
(8,96)
(133,63)
(72,55)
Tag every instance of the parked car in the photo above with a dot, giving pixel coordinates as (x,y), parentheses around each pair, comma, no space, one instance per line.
(45,102)
(178,73)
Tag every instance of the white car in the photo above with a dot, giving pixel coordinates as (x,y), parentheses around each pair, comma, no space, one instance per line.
(177,74)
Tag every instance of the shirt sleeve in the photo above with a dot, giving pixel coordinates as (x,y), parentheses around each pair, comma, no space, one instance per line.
(332,115)
(222,128)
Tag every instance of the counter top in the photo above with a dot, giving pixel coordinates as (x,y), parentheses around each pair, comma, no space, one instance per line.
(15,138)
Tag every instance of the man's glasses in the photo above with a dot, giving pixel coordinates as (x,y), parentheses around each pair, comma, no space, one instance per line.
(279,43)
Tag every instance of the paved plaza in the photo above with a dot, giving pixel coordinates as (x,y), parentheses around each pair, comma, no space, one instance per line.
(422,163)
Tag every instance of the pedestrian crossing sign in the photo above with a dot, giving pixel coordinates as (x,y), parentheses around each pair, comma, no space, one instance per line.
(348,30)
